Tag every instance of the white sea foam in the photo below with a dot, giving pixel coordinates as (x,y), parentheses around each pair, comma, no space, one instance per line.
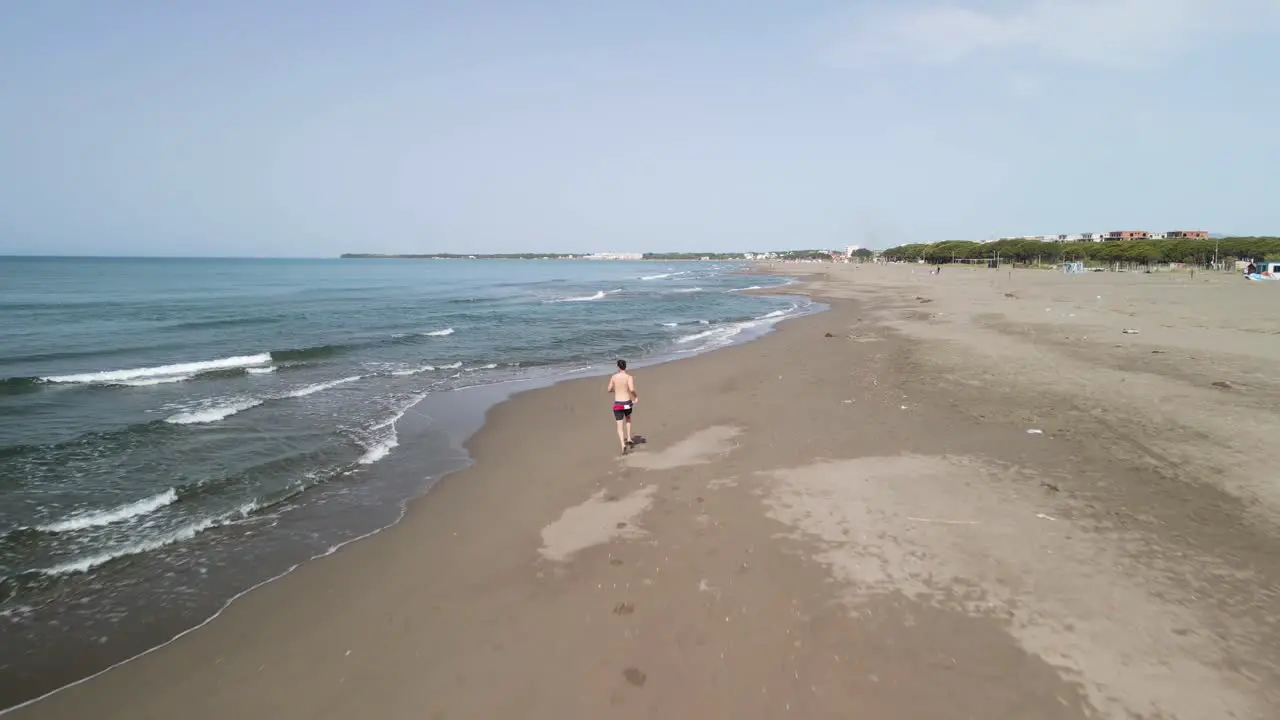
(724,335)
(388,440)
(82,521)
(490,366)
(704,322)
(670,324)
(212,413)
(379,450)
(262,370)
(699,336)
(689,290)
(15,613)
(192,368)
(714,338)
(90,562)
(413,371)
(599,295)
(753,287)
(319,387)
(659,277)
(147,382)
(439,333)
(452,366)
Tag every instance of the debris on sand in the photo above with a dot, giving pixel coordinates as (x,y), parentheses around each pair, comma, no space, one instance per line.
(635,676)
(1129,331)
(1223,384)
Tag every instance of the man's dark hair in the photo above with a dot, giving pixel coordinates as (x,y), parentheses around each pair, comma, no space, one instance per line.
(622,364)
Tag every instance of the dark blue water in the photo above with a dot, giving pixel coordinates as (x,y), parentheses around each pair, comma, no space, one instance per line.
(172,431)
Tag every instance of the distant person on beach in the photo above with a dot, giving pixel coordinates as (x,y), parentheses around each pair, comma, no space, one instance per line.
(623,387)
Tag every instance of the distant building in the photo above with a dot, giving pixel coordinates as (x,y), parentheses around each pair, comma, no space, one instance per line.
(614,256)
(849,251)
(1111,236)
(1127,235)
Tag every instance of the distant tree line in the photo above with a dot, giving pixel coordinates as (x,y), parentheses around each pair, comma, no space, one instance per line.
(1192,252)
(456,256)
(804,254)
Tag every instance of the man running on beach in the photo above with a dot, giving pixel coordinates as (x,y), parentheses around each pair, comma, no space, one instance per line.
(623,387)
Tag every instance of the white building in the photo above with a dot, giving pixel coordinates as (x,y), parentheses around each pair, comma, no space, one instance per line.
(849,251)
(614,256)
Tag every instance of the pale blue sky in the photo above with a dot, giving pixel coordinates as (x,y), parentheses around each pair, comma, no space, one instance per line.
(294,128)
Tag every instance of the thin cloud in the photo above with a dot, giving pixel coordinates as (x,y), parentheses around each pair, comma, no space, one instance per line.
(1116,33)
(1024,86)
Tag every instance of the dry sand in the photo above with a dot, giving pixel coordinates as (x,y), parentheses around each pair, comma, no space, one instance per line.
(847,518)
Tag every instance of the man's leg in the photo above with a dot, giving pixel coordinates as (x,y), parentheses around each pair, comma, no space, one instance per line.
(622,436)
(628,428)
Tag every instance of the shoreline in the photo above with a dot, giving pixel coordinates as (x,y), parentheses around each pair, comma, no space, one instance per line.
(848,513)
(467,418)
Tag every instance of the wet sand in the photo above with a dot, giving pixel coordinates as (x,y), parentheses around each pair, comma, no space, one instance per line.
(846,518)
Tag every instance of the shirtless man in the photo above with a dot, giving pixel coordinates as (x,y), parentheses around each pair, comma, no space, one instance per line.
(623,387)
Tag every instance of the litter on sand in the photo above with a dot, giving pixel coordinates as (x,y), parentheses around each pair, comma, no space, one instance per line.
(1034,431)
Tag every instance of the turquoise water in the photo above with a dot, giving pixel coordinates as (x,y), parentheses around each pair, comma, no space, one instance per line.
(172,431)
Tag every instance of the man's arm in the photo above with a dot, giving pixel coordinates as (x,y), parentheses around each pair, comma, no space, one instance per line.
(634,395)
(609,388)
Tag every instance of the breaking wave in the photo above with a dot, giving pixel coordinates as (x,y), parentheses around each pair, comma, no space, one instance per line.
(97,518)
(412,371)
(162,373)
(599,295)
(90,562)
(213,413)
(319,387)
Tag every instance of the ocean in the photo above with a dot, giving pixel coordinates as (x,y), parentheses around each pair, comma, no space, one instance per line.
(175,432)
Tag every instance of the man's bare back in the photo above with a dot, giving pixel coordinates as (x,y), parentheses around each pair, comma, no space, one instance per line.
(623,387)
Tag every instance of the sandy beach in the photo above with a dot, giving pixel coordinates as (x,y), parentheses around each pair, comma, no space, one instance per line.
(980,494)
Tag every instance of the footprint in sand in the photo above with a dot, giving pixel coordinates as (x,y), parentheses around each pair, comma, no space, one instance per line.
(635,676)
